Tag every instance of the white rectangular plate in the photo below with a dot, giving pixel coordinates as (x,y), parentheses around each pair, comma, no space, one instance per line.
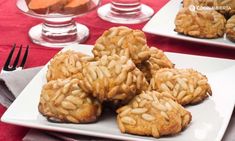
(210,118)
(162,23)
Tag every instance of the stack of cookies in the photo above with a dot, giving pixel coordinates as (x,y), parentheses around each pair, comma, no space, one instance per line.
(140,81)
(206,19)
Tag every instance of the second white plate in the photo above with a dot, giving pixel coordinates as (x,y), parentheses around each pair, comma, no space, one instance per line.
(162,23)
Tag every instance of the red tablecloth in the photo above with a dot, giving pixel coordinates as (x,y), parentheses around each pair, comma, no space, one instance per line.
(14,28)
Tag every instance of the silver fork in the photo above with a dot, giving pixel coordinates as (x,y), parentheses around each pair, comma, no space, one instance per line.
(7,67)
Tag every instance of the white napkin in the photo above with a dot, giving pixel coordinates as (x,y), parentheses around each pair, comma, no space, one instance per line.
(11,84)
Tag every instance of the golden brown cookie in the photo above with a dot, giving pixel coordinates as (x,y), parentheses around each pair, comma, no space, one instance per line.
(226,7)
(66,64)
(153,114)
(230,29)
(122,41)
(186,85)
(64,101)
(113,78)
(188,3)
(156,61)
(200,24)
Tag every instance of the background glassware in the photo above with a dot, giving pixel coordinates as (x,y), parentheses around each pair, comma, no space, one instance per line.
(58,29)
(125,12)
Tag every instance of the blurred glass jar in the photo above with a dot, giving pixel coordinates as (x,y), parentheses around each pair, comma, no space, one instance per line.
(59,28)
(125,12)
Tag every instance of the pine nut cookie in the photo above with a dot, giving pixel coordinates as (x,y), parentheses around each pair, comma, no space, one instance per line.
(122,41)
(64,101)
(66,64)
(153,114)
(227,7)
(188,3)
(186,85)
(230,29)
(200,24)
(113,78)
(156,61)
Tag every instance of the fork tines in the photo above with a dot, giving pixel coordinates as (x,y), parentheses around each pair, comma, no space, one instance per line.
(7,66)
